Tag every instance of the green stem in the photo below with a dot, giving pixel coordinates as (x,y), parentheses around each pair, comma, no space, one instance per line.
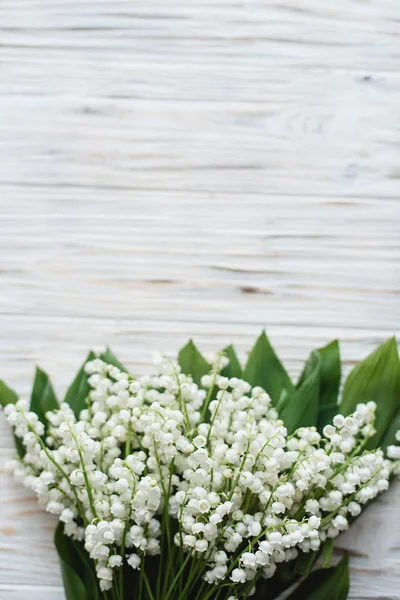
(210,391)
(182,405)
(59,467)
(141,580)
(214,417)
(176,578)
(148,587)
(329,517)
(121,572)
(85,475)
(128,439)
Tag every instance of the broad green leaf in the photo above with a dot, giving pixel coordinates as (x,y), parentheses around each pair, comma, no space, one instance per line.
(330,374)
(192,362)
(325,584)
(376,378)
(326,414)
(109,357)
(329,381)
(78,574)
(43,397)
(283,400)
(73,586)
(301,407)
(264,368)
(305,562)
(283,579)
(233,369)
(19,446)
(390,436)
(327,551)
(313,360)
(7,395)
(79,389)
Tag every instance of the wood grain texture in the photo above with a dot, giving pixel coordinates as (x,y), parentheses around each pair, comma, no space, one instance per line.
(207,168)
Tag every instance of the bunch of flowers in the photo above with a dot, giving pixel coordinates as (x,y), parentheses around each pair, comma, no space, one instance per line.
(171,488)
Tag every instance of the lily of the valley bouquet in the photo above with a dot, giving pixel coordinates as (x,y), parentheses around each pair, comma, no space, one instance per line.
(205,480)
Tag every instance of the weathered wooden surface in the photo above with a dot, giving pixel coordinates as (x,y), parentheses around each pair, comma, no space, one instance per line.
(205,168)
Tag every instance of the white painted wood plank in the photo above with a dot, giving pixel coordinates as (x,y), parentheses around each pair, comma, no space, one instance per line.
(268,255)
(22,592)
(26,536)
(187,95)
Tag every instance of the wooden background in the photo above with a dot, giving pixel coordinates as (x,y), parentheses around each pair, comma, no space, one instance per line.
(195,168)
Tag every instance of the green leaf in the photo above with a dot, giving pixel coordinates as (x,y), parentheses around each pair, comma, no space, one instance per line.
(313,360)
(284,578)
(390,436)
(330,374)
(79,388)
(305,562)
(327,551)
(376,378)
(326,414)
(19,446)
(77,571)
(329,381)
(109,357)
(192,362)
(73,586)
(325,584)
(264,368)
(301,408)
(43,397)
(7,395)
(233,369)
(283,400)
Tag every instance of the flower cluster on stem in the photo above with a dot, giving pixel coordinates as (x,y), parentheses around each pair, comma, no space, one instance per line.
(203,479)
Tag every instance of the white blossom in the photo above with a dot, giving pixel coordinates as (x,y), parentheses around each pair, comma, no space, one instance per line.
(159,448)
